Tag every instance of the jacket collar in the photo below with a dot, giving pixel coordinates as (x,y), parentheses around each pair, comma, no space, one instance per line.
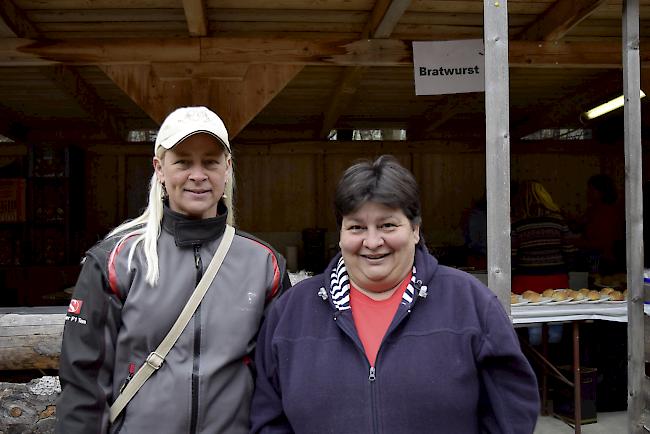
(189,232)
(339,292)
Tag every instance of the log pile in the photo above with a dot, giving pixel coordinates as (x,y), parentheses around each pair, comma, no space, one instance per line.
(29,408)
(30,338)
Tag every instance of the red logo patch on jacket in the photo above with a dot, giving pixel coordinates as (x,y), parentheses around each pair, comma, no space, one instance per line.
(75,306)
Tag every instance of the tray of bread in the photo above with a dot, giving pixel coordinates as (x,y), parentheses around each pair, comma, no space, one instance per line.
(568,296)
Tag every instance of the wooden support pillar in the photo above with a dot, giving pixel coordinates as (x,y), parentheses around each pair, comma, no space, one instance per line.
(633,215)
(497,152)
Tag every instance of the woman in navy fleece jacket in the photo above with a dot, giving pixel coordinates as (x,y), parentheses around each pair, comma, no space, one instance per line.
(386,340)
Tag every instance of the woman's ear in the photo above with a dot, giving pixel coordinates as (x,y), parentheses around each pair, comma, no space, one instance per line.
(157,167)
(416,233)
(228,167)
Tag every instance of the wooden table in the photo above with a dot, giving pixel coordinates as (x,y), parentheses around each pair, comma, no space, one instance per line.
(575,313)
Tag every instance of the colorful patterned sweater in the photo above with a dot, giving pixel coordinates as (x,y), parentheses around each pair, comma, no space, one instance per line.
(541,246)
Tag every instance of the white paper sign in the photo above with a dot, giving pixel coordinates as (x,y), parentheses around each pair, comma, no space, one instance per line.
(442,67)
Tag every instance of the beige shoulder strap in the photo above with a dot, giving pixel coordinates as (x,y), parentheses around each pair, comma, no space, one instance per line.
(157,357)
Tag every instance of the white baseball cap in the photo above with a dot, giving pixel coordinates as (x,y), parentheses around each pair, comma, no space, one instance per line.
(187,121)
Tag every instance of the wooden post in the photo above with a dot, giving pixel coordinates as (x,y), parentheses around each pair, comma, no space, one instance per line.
(633,215)
(497,152)
(577,381)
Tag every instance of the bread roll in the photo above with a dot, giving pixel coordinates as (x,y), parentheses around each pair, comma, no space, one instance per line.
(577,295)
(532,296)
(584,291)
(559,295)
(606,291)
(514,298)
(616,296)
(593,295)
(570,293)
(549,293)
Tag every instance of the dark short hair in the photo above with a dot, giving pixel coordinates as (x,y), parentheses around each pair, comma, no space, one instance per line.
(605,185)
(383,181)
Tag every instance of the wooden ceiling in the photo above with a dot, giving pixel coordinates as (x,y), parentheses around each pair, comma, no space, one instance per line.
(292,69)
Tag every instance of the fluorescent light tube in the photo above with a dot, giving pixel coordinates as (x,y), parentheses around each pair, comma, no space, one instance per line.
(607,107)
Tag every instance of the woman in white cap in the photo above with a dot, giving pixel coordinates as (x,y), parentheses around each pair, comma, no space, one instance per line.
(121,369)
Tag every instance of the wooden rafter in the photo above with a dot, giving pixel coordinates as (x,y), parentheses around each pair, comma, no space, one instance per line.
(194,70)
(251,50)
(438,114)
(242,101)
(390,15)
(383,19)
(196,16)
(141,85)
(238,102)
(341,97)
(559,19)
(17,21)
(69,80)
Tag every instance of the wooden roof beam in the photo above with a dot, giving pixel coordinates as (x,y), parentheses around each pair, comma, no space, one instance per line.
(201,70)
(17,21)
(237,102)
(383,19)
(69,80)
(65,77)
(241,101)
(196,16)
(438,114)
(269,50)
(341,97)
(559,19)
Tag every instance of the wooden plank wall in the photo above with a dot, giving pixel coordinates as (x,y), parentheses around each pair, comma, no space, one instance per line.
(117,185)
(286,187)
(289,187)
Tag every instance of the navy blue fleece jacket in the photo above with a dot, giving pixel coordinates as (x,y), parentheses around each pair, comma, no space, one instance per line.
(449,363)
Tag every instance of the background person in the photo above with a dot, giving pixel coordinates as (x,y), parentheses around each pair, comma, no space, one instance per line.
(542,249)
(602,229)
(475,231)
(134,283)
(386,338)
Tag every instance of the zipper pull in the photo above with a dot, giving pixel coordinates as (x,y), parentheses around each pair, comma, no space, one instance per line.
(197,255)
(372,375)
(128,378)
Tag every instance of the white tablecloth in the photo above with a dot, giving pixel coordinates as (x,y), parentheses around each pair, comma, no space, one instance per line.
(526,314)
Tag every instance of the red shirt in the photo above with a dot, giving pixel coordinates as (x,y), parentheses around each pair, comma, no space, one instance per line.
(372,317)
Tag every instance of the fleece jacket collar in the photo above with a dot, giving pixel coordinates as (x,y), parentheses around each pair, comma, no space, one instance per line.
(189,232)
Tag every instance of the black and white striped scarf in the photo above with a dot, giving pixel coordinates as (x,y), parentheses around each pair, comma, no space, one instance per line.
(340,287)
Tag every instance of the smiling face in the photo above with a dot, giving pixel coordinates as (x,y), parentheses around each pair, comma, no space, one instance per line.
(378,245)
(194,173)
